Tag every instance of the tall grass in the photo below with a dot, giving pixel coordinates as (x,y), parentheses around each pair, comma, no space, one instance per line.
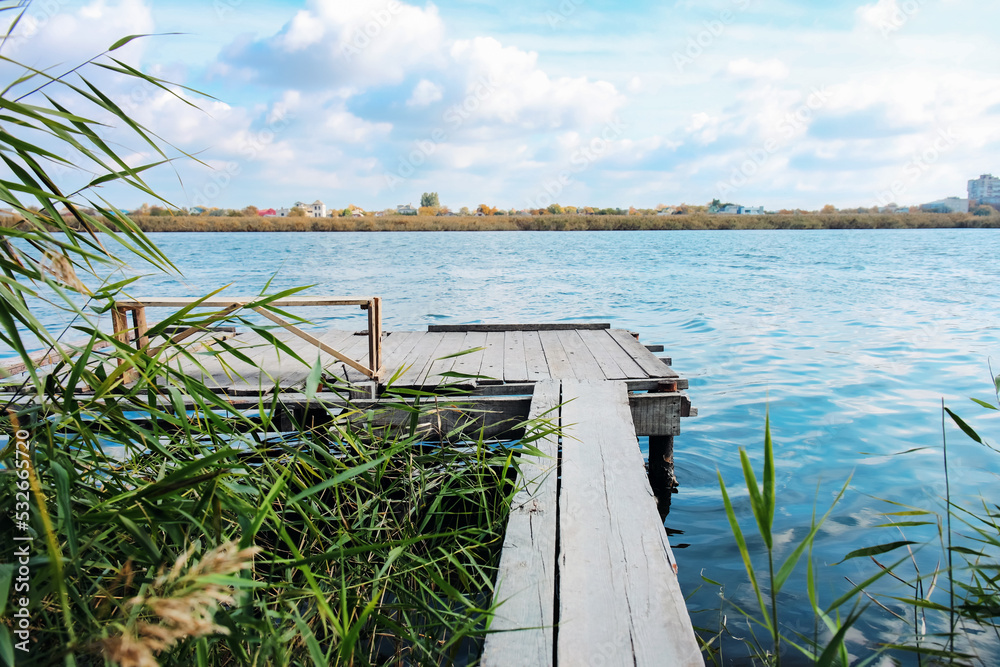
(372,546)
(165,526)
(951,612)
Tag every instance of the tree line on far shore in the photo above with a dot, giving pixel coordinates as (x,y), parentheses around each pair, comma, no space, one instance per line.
(693,221)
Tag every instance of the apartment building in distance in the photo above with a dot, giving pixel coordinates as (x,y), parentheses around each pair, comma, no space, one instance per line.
(985,189)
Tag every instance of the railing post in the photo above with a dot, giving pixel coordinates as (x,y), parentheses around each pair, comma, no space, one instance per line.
(375,337)
(139,322)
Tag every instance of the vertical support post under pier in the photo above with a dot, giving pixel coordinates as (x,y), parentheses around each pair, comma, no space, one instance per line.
(661,471)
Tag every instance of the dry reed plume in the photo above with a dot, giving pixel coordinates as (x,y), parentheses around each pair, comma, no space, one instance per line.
(186,606)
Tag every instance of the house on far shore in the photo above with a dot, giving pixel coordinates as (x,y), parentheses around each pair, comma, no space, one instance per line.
(317,209)
(405,209)
(750,210)
(669,210)
(356,211)
(947,205)
(268,213)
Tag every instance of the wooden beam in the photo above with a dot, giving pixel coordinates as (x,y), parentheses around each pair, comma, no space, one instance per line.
(40,359)
(557,326)
(522,629)
(656,413)
(375,337)
(119,323)
(619,599)
(190,331)
(309,338)
(139,322)
(225,302)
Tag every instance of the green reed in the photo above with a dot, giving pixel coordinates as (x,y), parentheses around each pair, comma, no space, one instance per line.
(952,611)
(212,536)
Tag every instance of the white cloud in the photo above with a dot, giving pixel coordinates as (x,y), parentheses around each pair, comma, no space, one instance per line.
(333,43)
(343,126)
(505,83)
(703,127)
(426,92)
(46,34)
(744,68)
(886,16)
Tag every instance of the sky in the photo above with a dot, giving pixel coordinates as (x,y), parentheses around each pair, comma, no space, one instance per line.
(520,104)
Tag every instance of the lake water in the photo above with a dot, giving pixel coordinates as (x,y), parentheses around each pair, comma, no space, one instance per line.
(849,338)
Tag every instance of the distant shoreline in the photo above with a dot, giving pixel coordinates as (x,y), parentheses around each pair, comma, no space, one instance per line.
(696,221)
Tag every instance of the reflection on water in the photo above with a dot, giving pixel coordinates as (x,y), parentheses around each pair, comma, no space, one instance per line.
(849,338)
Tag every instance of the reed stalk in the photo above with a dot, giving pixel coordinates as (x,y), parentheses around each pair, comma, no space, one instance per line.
(178,530)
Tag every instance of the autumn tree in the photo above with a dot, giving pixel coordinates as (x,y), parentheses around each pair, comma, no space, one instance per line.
(250,211)
(829,208)
(555,209)
(427,210)
(297,212)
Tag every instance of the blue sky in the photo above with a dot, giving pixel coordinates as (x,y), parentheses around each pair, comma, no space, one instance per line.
(583,102)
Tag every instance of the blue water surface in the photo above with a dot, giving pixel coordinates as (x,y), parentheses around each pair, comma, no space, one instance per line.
(849,339)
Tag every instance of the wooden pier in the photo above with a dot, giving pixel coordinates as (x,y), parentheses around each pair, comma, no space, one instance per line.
(586,575)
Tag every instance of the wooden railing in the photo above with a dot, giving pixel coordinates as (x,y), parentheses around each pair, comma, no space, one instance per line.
(137,334)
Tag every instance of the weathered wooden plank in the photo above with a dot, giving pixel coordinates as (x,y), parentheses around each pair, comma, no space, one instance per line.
(619,599)
(418,359)
(492,367)
(493,417)
(218,368)
(277,368)
(355,347)
(450,345)
(654,384)
(616,362)
(656,414)
(349,360)
(554,326)
(534,357)
(398,345)
(555,355)
(469,364)
(40,359)
(643,357)
(515,368)
(522,629)
(585,366)
(224,302)
(609,367)
(270,367)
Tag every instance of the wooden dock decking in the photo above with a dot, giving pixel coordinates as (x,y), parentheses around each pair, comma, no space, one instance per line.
(426,358)
(586,575)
